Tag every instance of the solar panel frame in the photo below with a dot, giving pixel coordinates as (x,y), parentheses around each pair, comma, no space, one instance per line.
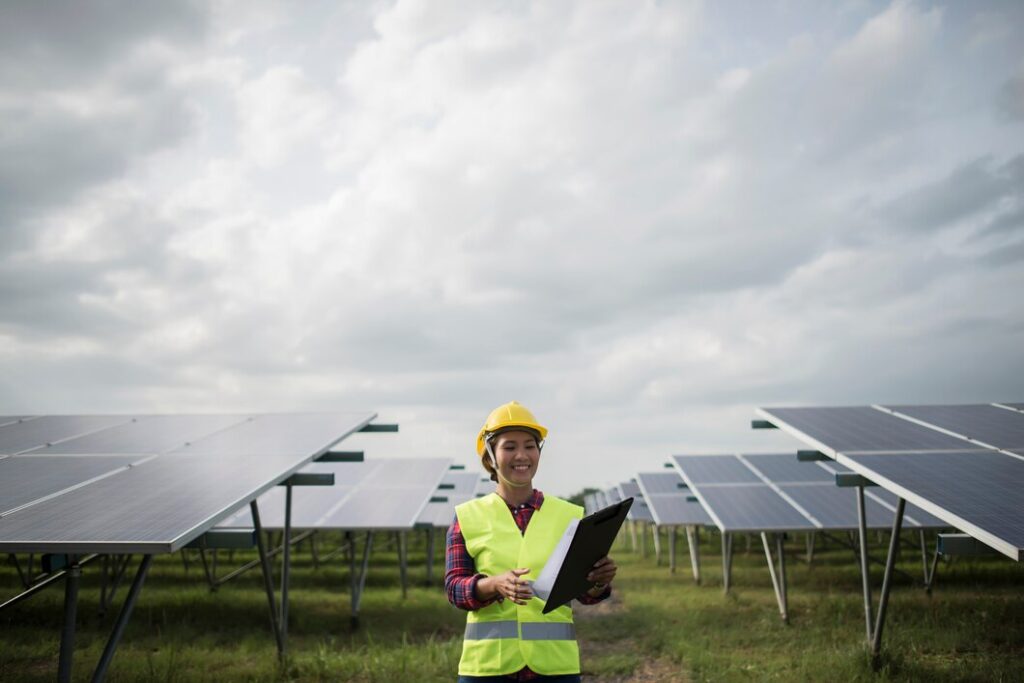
(906,490)
(984,424)
(160,505)
(859,429)
(667,502)
(1001,492)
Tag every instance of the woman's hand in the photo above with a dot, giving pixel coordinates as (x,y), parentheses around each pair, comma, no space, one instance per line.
(507,585)
(602,574)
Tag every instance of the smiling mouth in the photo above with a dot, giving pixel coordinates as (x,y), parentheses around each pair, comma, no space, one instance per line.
(520,468)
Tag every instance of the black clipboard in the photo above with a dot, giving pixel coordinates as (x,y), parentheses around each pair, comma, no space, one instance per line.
(594,537)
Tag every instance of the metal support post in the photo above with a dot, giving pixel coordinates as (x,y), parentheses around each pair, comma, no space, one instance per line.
(811,538)
(211,577)
(184,559)
(358,584)
(122,619)
(693,543)
(632,536)
(672,550)
(430,555)
(780,545)
(883,601)
(67,635)
(865,577)
(286,561)
(313,551)
(726,561)
(924,558)
(26,579)
(268,579)
(643,542)
(657,545)
(402,564)
(775,579)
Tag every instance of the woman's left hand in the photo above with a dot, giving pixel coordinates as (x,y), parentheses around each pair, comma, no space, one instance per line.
(603,571)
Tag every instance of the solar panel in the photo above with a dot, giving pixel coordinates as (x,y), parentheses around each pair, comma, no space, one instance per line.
(836,508)
(672,510)
(786,468)
(27,479)
(303,433)
(484,485)
(464,483)
(161,504)
(155,507)
(979,493)
(146,434)
(373,495)
(994,426)
(629,489)
(862,429)
(652,483)
(667,502)
(911,511)
(1017,406)
(714,469)
(753,508)
(22,436)
(612,495)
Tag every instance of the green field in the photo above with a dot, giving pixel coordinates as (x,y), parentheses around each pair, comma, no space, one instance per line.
(658,626)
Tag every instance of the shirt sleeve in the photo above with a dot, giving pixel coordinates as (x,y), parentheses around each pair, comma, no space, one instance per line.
(460,575)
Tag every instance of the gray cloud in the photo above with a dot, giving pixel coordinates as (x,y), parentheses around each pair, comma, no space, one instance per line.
(641,220)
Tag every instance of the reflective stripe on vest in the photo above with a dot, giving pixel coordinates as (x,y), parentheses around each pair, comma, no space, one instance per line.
(486,630)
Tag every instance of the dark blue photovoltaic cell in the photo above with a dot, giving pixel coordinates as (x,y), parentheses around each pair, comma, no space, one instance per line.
(786,468)
(997,427)
(146,434)
(668,481)
(925,519)
(715,469)
(302,433)
(640,511)
(753,508)
(22,436)
(983,489)
(629,489)
(25,479)
(836,508)
(864,429)
(674,510)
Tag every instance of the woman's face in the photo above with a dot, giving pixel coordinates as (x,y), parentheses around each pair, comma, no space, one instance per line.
(518,456)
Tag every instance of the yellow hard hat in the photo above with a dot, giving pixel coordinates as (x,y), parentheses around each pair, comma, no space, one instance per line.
(506,417)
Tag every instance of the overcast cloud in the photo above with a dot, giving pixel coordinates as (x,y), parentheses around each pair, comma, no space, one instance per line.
(640,219)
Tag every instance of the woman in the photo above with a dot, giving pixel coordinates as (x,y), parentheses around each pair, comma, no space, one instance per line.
(497,545)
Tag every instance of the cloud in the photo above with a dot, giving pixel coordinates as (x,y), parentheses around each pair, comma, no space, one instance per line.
(639,219)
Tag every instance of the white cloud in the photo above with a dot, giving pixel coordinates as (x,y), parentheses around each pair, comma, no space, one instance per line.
(639,219)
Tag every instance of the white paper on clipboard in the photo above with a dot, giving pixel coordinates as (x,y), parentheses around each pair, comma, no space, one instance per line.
(545,582)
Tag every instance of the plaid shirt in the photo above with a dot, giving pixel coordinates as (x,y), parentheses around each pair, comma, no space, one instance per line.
(460,576)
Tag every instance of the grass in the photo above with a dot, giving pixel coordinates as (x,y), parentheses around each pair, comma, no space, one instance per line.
(658,626)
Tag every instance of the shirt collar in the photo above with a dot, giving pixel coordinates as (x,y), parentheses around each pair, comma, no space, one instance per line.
(534,502)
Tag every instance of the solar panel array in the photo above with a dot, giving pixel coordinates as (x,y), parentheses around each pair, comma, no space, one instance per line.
(639,511)
(378,495)
(440,514)
(667,497)
(960,463)
(97,483)
(776,492)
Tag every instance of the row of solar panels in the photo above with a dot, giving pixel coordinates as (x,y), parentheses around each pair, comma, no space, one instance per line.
(958,466)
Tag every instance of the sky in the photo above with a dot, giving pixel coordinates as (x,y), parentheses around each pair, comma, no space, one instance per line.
(640,219)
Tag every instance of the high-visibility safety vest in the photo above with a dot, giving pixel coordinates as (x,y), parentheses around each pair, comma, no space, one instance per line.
(503,637)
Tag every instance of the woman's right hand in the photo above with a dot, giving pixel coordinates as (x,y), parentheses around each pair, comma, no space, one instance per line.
(507,585)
